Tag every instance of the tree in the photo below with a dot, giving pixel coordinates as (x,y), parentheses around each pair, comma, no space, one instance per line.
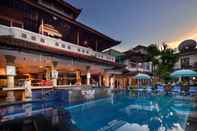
(162,60)
(153,53)
(166,62)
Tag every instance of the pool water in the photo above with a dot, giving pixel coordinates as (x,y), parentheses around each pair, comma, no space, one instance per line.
(106,111)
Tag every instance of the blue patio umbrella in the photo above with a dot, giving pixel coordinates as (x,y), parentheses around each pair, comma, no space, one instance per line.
(183,73)
(142,76)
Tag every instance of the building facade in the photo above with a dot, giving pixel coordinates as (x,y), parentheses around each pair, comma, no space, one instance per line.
(119,56)
(187,53)
(135,61)
(41,41)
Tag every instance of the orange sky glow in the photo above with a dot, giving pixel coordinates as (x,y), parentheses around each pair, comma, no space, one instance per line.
(188,35)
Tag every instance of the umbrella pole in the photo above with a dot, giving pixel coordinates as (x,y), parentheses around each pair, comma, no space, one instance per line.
(180,79)
(138,83)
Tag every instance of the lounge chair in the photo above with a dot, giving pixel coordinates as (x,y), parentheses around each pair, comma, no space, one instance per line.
(176,89)
(193,90)
(160,88)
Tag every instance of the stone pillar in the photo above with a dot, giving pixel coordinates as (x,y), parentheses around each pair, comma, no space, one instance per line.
(88,78)
(10,72)
(48,73)
(78,77)
(107,80)
(54,73)
(100,80)
(112,82)
(88,75)
(130,81)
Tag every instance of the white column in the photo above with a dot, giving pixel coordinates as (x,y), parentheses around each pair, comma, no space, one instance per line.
(54,77)
(10,94)
(78,77)
(10,72)
(54,73)
(48,73)
(106,80)
(88,78)
(130,81)
(100,80)
(112,82)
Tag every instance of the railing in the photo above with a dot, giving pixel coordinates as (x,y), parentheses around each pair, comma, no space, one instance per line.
(136,69)
(39,39)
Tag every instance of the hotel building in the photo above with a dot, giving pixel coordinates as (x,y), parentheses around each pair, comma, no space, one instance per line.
(187,53)
(41,41)
(135,61)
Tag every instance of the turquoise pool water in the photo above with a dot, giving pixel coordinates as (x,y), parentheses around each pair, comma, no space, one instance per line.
(122,111)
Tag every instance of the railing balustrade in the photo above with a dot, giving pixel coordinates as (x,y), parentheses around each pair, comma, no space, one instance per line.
(31,37)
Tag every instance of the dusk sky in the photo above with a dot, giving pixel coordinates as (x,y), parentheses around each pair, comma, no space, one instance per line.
(141,21)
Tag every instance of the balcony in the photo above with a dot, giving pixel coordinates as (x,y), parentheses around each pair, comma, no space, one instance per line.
(138,69)
(41,40)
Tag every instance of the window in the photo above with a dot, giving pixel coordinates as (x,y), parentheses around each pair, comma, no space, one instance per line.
(57,44)
(17,24)
(4,22)
(148,67)
(45,33)
(69,47)
(42,40)
(24,35)
(185,62)
(33,38)
(63,46)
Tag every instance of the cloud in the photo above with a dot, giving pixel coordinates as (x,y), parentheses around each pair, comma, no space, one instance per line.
(190,35)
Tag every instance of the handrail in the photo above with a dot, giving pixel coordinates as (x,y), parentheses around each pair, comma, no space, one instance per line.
(32,37)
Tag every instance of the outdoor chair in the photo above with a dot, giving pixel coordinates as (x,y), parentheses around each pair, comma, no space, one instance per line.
(176,89)
(160,88)
(193,90)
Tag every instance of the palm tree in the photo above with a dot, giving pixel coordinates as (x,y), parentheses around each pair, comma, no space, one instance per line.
(153,54)
(167,60)
(162,60)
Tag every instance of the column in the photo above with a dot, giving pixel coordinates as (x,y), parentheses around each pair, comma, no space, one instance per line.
(10,72)
(112,82)
(130,82)
(106,79)
(78,77)
(88,78)
(48,73)
(78,37)
(100,80)
(88,75)
(54,73)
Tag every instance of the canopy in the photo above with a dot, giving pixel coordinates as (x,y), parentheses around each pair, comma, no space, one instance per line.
(183,73)
(141,76)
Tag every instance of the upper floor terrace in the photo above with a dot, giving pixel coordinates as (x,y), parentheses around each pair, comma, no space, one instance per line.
(27,39)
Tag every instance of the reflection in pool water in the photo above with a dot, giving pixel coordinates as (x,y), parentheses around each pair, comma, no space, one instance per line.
(122,111)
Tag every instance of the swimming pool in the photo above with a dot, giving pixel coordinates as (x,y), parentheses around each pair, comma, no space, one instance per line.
(105,111)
